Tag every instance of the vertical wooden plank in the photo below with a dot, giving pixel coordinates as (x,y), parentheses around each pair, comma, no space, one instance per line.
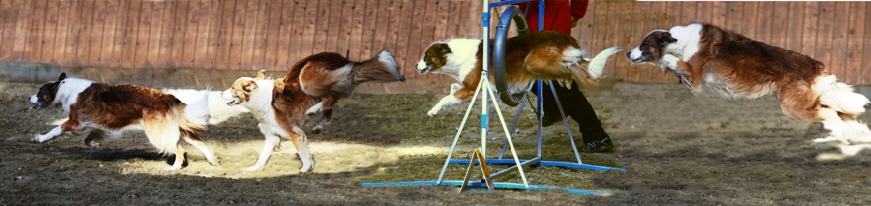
(182,48)
(865,71)
(85,16)
(379,40)
(97,33)
(443,9)
(131,31)
(109,31)
(368,40)
(23,25)
(764,18)
(237,35)
(736,20)
(10,17)
(855,43)
(584,30)
(33,45)
(393,15)
(322,28)
(414,44)
(823,49)
(286,34)
(838,45)
(154,34)
(334,22)
(751,16)
(404,56)
(456,19)
(779,23)
(72,41)
(353,21)
(309,23)
(644,19)
(270,40)
(252,10)
(809,28)
(207,10)
(720,11)
(795,25)
(169,25)
(629,27)
(224,40)
(143,35)
(50,32)
(121,32)
(474,22)
(217,31)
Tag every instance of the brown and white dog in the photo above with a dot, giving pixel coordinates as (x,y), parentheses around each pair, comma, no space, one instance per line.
(737,67)
(108,109)
(280,105)
(548,55)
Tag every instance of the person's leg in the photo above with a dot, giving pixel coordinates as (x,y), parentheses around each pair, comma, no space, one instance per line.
(576,106)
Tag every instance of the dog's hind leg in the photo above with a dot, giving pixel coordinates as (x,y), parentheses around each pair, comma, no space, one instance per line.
(327,109)
(300,141)
(179,159)
(202,147)
(268,146)
(799,103)
(95,137)
(315,109)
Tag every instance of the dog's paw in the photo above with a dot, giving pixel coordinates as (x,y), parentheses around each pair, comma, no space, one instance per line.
(41,138)
(314,109)
(825,139)
(432,112)
(254,168)
(317,129)
(215,161)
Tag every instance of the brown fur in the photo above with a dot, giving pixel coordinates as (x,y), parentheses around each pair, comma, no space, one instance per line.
(114,107)
(322,76)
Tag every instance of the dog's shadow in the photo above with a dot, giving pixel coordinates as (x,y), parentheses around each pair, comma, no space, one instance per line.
(114,154)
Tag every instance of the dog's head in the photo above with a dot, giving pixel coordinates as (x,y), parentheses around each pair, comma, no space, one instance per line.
(47,93)
(652,47)
(435,57)
(242,89)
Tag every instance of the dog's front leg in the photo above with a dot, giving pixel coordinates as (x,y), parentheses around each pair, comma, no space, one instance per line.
(72,125)
(447,100)
(269,145)
(57,131)
(319,107)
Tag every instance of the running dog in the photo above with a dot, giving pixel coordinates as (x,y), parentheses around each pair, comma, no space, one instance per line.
(109,109)
(281,104)
(546,55)
(737,67)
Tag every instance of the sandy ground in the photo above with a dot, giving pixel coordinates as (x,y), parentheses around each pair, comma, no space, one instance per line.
(678,150)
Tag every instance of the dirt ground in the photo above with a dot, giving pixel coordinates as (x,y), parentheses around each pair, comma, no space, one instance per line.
(677,149)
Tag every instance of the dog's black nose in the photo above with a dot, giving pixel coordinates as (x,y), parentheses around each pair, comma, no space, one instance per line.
(629,54)
(401,79)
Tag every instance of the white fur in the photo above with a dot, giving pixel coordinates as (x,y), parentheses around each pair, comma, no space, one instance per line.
(597,65)
(460,62)
(67,94)
(260,105)
(839,96)
(387,59)
(687,44)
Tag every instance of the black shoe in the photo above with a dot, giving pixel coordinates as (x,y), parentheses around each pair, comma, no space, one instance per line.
(547,120)
(597,146)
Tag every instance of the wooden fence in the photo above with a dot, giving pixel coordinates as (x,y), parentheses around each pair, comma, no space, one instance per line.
(274,34)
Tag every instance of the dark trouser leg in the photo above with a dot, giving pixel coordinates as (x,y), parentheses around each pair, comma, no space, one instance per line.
(577,107)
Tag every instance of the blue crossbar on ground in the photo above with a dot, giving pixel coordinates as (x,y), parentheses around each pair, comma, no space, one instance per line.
(479,184)
(545,163)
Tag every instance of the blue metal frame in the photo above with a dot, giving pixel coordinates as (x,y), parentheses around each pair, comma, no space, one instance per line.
(504,24)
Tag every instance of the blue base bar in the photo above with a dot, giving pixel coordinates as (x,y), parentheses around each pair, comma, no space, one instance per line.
(479,184)
(545,163)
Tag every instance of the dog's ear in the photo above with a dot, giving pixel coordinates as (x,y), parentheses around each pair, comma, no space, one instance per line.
(63,75)
(666,39)
(250,86)
(260,74)
(443,49)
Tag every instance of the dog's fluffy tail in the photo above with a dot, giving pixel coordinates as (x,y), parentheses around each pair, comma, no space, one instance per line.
(189,121)
(381,68)
(597,64)
(840,96)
